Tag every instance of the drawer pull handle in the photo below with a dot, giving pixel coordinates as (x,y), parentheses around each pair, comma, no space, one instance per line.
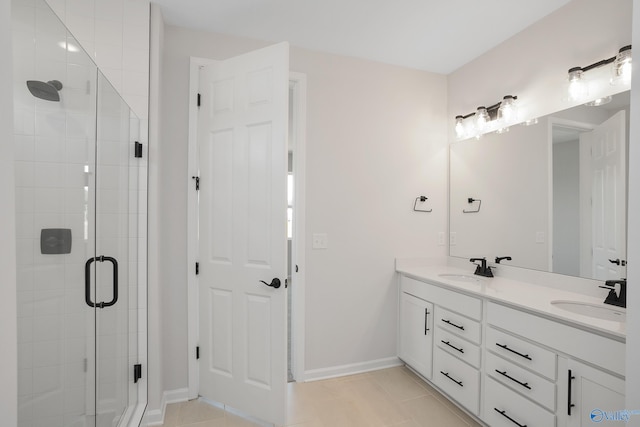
(453,347)
(446,374)
(504,414)
(448,322)
(569,404)
(504,374)
(526,356)
(426,317)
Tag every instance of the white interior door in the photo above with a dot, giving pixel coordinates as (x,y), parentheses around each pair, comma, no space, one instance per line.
(604,186)
(242,138)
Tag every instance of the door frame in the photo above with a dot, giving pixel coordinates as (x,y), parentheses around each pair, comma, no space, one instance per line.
(298,85)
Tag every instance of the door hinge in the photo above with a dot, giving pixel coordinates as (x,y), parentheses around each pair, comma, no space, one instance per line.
(197,179)
(199,100)
(198,352)
(197,268)
(137,372)
(138,150)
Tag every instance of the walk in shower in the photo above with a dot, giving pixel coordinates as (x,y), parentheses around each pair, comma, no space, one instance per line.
(80,213)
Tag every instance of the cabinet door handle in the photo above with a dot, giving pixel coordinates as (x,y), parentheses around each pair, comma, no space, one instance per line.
(569,404)
(504,414)
(448,322)
(446,374)
(526,356)
(504,374)
(453,347)
(426,320)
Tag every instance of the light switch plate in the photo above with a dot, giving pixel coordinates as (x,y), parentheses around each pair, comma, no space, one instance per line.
(320,241)
(453,238)
(441,238)
(540,237)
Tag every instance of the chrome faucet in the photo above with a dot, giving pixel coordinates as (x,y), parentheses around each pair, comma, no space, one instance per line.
(482,269)
(619,298)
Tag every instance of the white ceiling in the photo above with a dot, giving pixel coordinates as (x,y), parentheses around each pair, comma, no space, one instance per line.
(432,35)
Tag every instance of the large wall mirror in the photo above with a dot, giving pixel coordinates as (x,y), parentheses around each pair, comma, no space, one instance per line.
(552,195)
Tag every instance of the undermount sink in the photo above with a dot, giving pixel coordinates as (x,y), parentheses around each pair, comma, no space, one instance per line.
(460,278)
(598,311)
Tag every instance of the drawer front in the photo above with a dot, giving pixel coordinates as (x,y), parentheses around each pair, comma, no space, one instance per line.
(458,324)
(458,347)
(523,381)
(505,408)
(466,304)
(522,352)
(457,379)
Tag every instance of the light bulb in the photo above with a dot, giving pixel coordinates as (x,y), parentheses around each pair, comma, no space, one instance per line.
(460,130)
(507,112)
(577,86)
(482,118)
(622,67)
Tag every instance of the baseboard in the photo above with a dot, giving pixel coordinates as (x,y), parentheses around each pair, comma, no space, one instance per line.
(351,369)
(155,417)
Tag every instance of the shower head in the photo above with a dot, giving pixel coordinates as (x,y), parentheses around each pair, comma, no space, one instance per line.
(47,91)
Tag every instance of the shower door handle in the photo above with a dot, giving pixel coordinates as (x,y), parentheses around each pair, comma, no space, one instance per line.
(87,281)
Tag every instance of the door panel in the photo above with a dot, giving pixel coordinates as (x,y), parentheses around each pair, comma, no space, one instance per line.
(242,138)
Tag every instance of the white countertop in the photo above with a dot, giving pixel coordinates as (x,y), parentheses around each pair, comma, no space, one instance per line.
(531,297)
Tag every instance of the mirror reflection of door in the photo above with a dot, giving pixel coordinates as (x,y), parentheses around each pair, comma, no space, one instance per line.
(589,183)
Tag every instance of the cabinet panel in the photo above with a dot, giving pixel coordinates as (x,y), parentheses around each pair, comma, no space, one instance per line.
(522,380)
(457,379)
(458,324)
(597,397)
(504,408)
(416,333)
(458,347)
(522,352)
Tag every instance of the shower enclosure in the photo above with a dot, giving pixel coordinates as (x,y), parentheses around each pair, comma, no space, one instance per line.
(80,234)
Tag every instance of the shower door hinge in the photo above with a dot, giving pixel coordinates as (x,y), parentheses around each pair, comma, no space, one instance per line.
(197,179)
(198,352)
(137,372)
(197,268)
(138,150)
(199,100)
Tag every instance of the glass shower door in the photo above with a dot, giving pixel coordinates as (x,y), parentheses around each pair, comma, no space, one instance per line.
(77,210)
(116,261)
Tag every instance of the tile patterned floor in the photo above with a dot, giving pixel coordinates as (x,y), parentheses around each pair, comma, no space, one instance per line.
(389,397)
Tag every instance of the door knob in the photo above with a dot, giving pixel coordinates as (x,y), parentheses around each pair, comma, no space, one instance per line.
(275,283)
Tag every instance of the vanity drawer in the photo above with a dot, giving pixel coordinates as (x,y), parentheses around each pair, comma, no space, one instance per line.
(460,348)
(457,379)
(522,352)
(458,324)
(466,304)
(523,381)
(505,408)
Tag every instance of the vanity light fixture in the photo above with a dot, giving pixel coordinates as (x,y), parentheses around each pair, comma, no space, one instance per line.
(578,88)
(498,116)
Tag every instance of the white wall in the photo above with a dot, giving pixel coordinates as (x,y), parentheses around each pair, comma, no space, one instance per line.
(633,245)
(376,140)
(8,314)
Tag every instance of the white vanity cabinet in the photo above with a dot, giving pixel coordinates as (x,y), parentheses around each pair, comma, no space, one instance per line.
(454,359)
(509,366)
(535,371)
(416,333)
